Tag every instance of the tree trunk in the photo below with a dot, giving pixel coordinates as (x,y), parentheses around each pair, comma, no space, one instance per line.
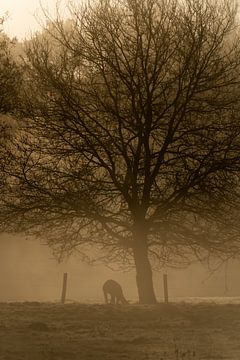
(144,275)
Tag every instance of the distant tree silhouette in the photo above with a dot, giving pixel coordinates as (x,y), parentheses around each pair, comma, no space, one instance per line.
(129,151)
(10,84)
(9,74)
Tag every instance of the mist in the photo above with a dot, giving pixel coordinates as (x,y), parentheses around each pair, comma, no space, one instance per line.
(28,272)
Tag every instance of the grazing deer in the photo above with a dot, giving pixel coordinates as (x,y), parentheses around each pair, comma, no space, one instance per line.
(114,289)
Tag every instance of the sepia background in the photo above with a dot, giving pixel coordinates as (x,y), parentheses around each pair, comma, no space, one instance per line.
(201,321)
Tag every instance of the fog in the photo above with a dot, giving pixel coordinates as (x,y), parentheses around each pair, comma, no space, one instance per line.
(28,272)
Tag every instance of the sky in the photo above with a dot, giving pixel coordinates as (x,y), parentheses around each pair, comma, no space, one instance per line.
(21,21)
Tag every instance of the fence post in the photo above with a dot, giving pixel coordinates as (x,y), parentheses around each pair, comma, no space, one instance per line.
(165,288)
(64,288)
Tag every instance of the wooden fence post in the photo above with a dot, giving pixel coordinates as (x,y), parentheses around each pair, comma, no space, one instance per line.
(165,288)
(64,288)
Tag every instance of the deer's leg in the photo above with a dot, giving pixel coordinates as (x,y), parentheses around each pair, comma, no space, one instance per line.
(105,297)
(119,300)
(112,299)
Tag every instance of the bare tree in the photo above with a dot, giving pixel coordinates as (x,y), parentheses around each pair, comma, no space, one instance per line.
(130,144)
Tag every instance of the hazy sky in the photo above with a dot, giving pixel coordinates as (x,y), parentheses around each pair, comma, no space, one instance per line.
(21,21)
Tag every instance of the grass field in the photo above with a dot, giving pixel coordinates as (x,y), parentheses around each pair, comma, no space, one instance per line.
(49,331)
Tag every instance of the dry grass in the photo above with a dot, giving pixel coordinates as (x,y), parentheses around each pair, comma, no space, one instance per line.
(46,331)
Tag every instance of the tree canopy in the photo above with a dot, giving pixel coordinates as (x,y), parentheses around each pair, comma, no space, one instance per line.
(129,139)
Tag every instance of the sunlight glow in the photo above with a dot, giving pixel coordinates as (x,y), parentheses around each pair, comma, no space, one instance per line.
(22,16)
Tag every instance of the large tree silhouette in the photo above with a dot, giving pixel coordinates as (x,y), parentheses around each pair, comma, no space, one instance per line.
(129,149)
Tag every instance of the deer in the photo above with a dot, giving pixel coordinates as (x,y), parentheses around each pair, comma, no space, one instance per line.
(114,289)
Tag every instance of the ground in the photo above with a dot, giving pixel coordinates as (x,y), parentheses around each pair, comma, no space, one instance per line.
(49,331)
